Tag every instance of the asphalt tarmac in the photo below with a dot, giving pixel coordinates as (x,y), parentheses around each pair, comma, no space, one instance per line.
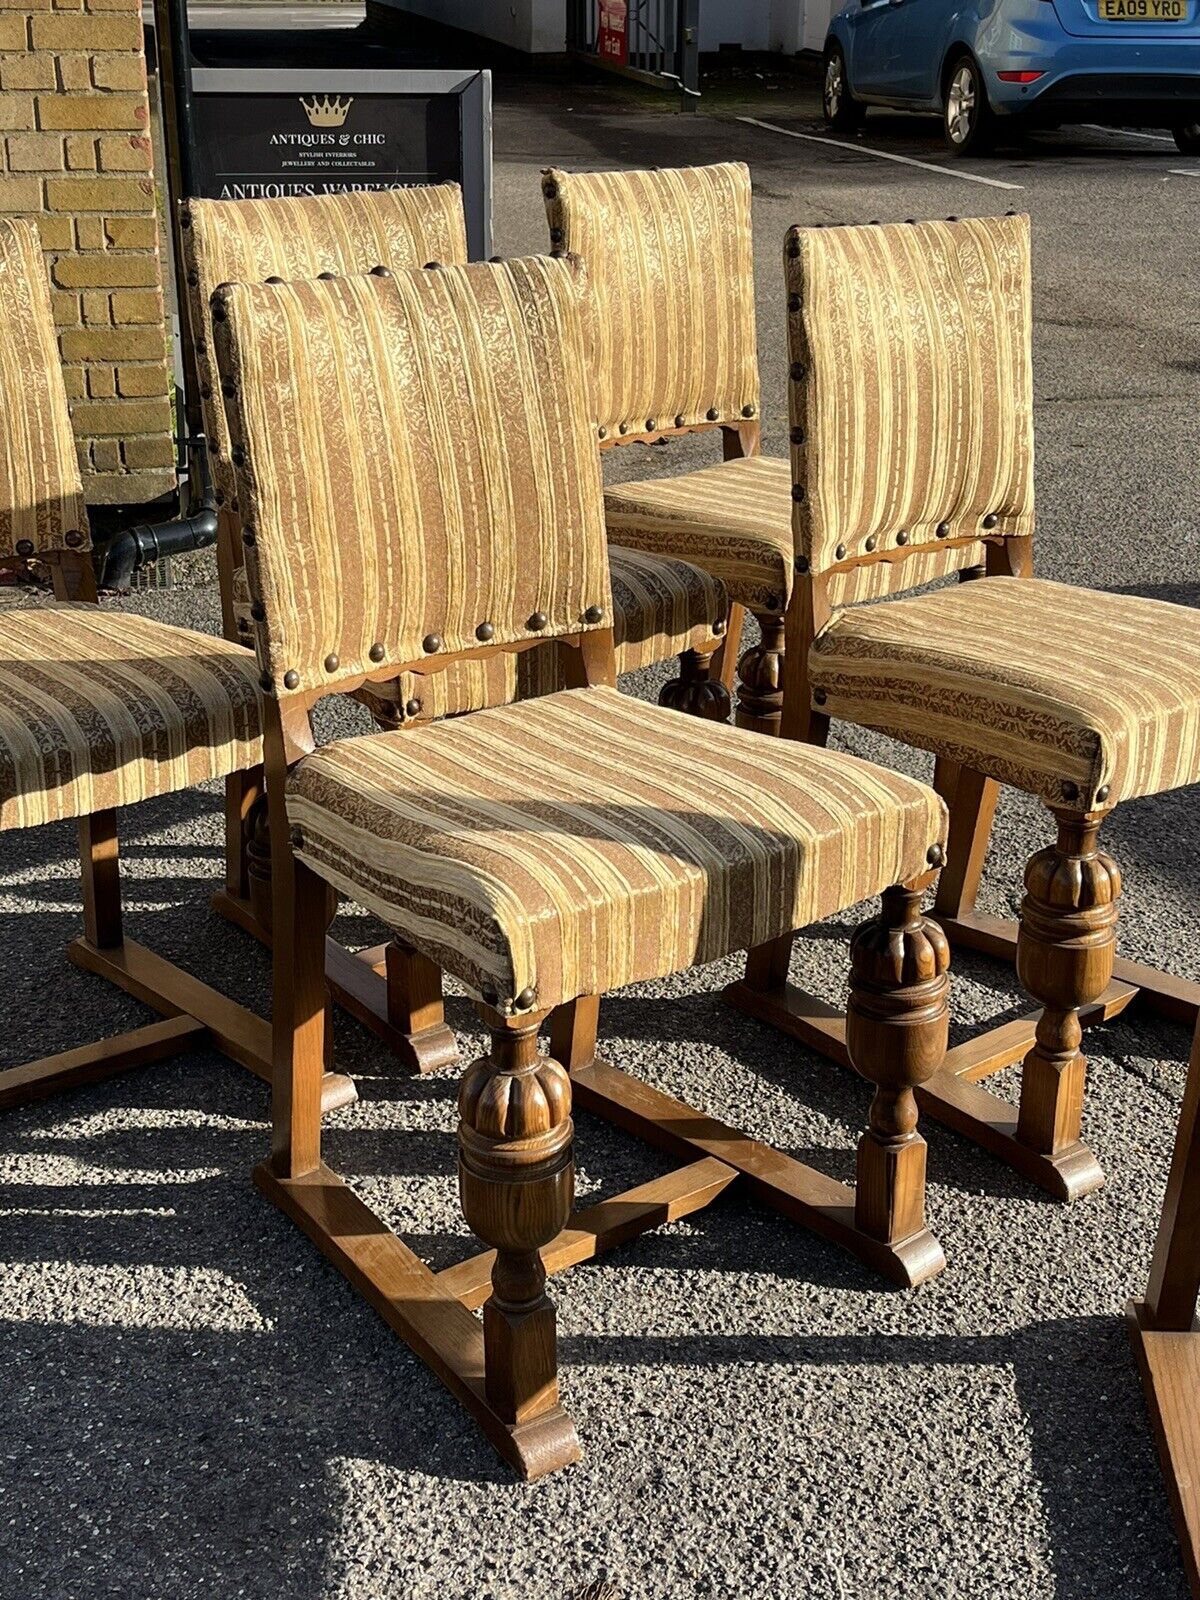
(195,1404)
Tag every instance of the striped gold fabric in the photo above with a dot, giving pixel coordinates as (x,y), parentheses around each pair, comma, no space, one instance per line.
(912,392)
(588,840)
(1037,684)
(41,497)
(248,241)
(733,519)
(670,259)
(418,470)
(661,607)
(103,708)
(872,580)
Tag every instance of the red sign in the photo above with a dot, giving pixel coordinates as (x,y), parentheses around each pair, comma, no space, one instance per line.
(613,43)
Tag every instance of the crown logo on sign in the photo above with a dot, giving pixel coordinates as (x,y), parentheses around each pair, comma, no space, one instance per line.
(327,113)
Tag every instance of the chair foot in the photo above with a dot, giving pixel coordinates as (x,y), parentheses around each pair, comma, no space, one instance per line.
(1069,1174)
(1169,1364)
(917,1259)
(696,692)
(409,1298)
(760,679)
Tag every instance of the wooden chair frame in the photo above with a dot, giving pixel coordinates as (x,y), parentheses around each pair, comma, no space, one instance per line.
(193,1013)
(1166,1334)
(517,1190)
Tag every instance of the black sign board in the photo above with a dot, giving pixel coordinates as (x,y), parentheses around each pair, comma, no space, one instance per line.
(266,111)
(269,134)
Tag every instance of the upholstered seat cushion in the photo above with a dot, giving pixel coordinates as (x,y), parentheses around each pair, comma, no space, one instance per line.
(734,520)
(587,840)
(101,708)
(1070,694)
(662,606)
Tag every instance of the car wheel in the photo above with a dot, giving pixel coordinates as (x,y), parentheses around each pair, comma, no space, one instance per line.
(842,111)
(967,120)
(1187,137)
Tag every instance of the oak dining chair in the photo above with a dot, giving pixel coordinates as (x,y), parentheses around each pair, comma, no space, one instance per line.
(542,852)
(911,410)
(100,709)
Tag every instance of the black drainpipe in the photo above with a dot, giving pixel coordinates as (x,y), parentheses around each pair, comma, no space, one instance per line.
(152,541)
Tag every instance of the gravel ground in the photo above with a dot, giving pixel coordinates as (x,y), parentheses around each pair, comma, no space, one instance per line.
(198,1405)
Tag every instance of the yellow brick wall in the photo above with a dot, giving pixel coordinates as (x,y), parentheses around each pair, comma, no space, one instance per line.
(75,155)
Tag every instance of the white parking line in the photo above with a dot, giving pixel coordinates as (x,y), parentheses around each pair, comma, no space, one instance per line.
(1128,133)
(1184,172)
(883,155)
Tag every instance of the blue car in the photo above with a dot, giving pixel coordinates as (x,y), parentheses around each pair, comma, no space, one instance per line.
(984,65)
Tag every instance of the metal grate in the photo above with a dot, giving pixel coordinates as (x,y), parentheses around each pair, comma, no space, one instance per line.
(654,41)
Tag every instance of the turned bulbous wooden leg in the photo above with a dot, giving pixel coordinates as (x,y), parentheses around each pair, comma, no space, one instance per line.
(696,692)
(897,1027)
(386,714)
(760,679)
(258,863)
(517,1183)
(1065,951)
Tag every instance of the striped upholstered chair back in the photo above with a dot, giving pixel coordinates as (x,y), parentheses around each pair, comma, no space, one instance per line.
(911,398)
(392,513)
(41,495)
(247,241)
(670,258)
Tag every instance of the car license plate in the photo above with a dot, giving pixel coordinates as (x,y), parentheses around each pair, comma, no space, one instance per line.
(1143,10)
